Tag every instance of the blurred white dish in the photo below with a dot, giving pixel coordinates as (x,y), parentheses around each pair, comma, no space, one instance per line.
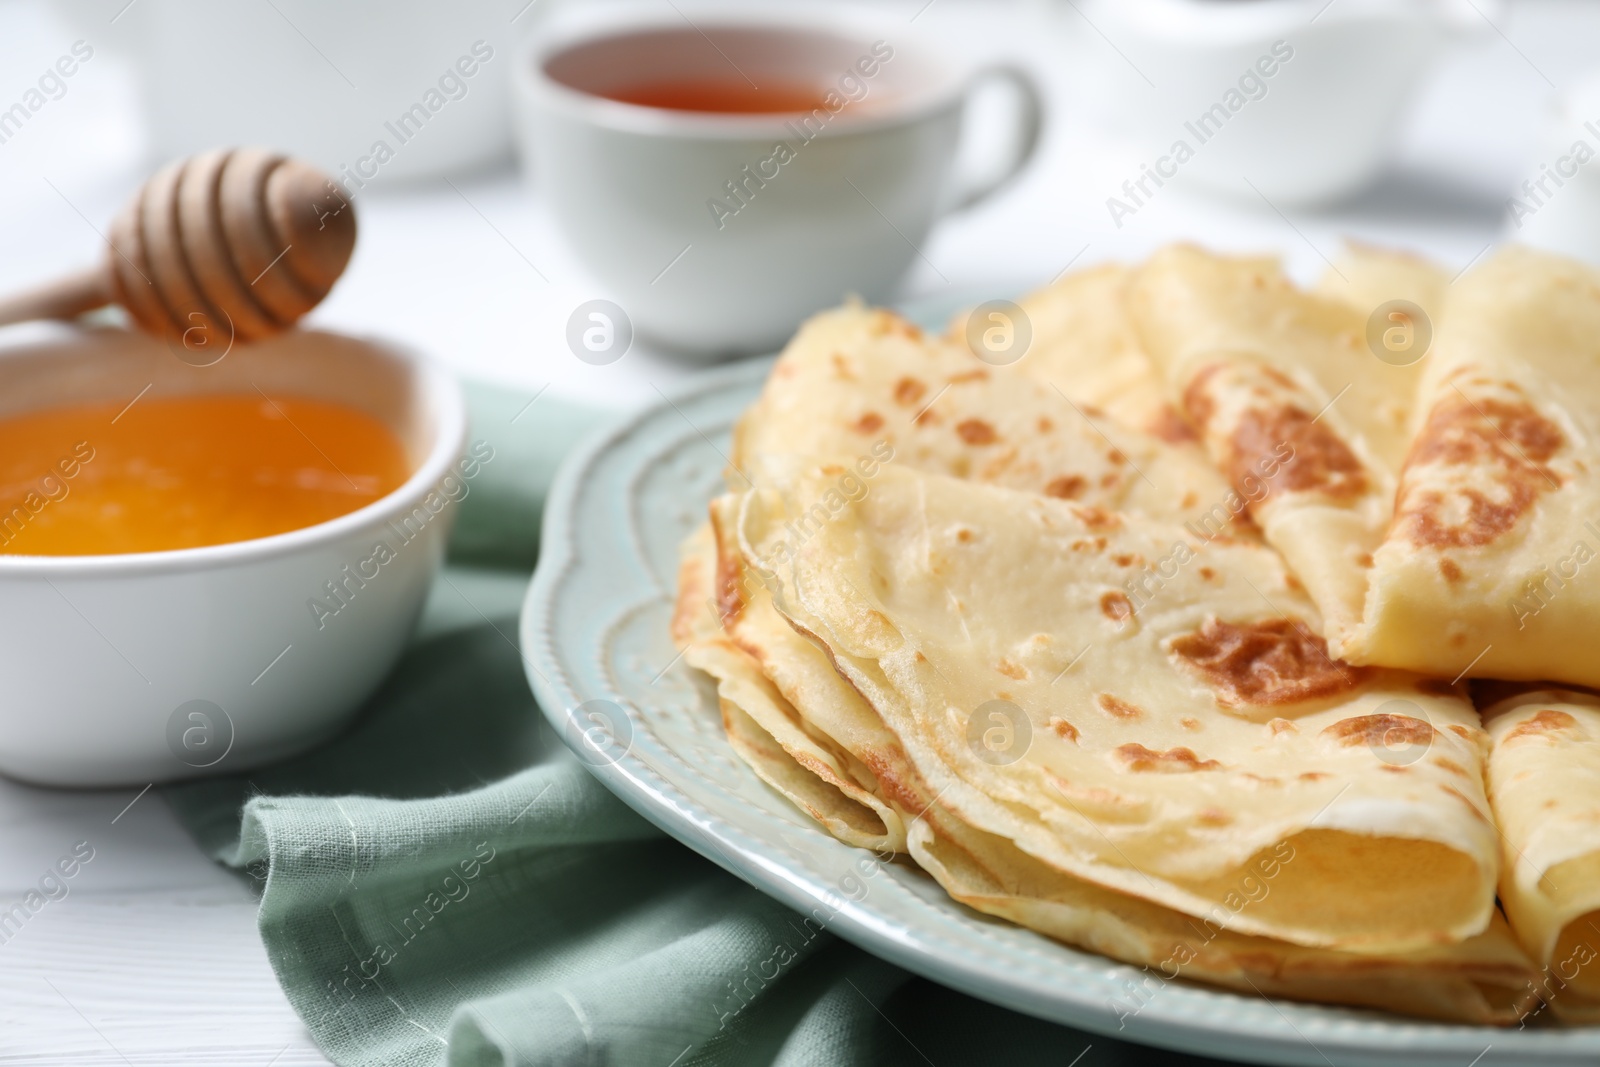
(127,669)
(718,231)
(1557,205)
(1303,96)
(321,81)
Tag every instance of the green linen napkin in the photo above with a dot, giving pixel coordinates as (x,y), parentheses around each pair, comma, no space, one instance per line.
(446,884)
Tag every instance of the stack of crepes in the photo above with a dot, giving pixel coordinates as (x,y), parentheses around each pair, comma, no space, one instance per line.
(1163,638)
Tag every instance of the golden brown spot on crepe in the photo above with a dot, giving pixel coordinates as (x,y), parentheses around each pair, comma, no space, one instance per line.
(842,368)
(1459,795)
(1063,729)
(1188,723)
(1507,443)
(1123,559)
(920,657)
(1318,459)
(1197,399)
(964,535)
(1045,425)
(976,432)
(1320,462)
(1066,487)
(1213,817)
(1262,779)
(1098,519)
(1450,570)
(969,376)
(908,391)
(1273,661)
(1108,479)
(1170,426)
(1012,670)
(1116,606)
(1282,726)
(1314,776)
(1105,803)
(1394,768)
(1545,722)
(1461,731)
(1365,559)
(1091,411)
(1207,573)
(729,602)
(1117,707)
(1390,731)
(871,422)
(1173,760)
(1452,766)
(925,417)
(891,787)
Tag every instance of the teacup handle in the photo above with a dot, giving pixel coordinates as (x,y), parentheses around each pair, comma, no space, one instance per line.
(1029,121)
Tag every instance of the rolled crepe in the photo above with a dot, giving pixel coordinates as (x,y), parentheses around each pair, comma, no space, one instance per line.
(1309,425)
(1544,786)
(1497,516)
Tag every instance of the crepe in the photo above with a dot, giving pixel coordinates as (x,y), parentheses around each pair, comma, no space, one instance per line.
(1367,277)
(936,598)
(1291,403)
(1544,785)
(865,383)
(1084,342)
(1484,979)
(796,758)
(1483,570)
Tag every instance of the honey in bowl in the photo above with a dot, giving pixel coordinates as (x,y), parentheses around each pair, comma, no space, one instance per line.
(186,471)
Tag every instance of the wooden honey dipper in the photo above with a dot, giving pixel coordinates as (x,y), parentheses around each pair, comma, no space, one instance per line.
(242,242)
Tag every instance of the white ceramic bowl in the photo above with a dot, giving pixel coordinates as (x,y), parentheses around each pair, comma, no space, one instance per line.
(128,669)
(1317,128)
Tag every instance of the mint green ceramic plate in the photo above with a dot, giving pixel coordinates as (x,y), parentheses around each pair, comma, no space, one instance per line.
(594,635)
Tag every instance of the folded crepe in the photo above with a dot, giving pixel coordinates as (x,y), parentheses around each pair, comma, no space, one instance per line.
(866,382)
(1497,514)
(1167,743)
(1544,787)
(1291,402)
(1084,342)
(1483,979)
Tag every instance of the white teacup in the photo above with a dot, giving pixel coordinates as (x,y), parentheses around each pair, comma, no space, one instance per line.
(718,231)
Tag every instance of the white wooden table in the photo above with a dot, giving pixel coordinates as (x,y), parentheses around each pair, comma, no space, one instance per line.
(153,957)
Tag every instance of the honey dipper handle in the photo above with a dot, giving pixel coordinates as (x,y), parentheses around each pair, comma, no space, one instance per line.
(63,298)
